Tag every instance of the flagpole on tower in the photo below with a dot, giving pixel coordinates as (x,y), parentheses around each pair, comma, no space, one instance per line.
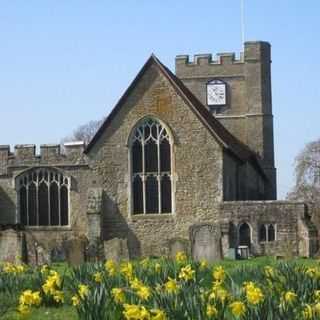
(242,23)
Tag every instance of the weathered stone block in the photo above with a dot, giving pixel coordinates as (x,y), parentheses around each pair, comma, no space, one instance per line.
(206,242)
(116,249)
(11,245)
(178,244)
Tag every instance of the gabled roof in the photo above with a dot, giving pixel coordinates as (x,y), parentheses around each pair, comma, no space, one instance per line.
(223,136)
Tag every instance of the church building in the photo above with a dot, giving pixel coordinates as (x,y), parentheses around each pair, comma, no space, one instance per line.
(184,160)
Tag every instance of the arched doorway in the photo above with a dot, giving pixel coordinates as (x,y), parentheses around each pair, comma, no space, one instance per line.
(244,235)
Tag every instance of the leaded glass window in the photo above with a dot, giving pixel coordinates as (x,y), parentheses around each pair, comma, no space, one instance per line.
(151,168)
(43,197)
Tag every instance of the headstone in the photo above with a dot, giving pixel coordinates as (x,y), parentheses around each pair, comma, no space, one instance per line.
(116,249)
(75,251)
(11,245)
(42,255)
(58,254)
(177,245)
(206,242)
(94,209)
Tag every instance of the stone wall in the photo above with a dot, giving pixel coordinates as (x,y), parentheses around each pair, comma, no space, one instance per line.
(295,234)
(72,163)
(197,168)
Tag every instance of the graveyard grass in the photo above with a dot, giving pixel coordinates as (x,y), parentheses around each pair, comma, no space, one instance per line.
(299,277)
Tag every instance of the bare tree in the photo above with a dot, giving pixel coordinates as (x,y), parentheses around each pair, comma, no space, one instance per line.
(307,172)
(84,132)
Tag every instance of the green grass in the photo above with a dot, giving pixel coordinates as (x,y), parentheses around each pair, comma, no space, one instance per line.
(62,313)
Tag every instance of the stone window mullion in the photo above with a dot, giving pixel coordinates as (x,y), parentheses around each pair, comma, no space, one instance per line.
(27,201)
(143,175)
(159,170)
(37,198)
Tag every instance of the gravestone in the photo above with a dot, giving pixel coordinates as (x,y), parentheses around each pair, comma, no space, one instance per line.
(42,255)
(75,251)
(205,242)
(116,249)
(11,244)
(178,245)
(94,209)
(58,254)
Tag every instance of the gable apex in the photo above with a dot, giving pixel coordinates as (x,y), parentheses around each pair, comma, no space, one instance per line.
(222,135)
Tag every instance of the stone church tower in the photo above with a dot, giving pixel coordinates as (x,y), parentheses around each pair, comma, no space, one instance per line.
(247,113)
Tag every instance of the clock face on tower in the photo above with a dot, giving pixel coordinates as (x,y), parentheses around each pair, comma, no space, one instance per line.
(216,93)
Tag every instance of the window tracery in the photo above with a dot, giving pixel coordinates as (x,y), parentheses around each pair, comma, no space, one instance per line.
(151,168)
(43,197)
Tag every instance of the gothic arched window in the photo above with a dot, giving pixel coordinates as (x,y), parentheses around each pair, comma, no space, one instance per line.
(151,178)
(262,233)
(271,233)
(43,197)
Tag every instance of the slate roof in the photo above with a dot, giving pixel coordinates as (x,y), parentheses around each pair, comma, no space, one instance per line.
(224,137)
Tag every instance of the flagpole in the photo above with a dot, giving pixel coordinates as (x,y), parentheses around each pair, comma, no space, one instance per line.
(242,23)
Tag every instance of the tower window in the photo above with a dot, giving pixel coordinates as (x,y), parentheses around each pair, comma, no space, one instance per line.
(43,197)
(151,180)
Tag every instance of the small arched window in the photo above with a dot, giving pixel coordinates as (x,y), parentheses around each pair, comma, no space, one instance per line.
(262,233)
(271,233)
(244,235)
(43,197)
(151,179)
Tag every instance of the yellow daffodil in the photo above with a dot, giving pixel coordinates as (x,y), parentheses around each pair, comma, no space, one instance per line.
(144,292)
(118,295)
(157,314)
(186,273)
(135,312)
(24,310)
(238,308)
(254,294)
(171,286)
(111,267)
(181,257)
(75,301)
(219,274)
(58,296)
(290,297)
(127,270)
(316,309)
(307,312)
(203,264)
(83,291)
(157,267)
(97,277)
(211,311)
(269,272)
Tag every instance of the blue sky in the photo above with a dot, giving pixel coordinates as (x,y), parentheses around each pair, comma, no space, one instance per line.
(66,62)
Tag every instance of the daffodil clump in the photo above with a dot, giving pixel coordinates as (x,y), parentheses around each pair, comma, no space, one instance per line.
(162,288)
(52,286)
(27,300)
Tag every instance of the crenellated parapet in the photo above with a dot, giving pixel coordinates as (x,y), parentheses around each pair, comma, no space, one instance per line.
(208,59)
(24,155)
(222,64)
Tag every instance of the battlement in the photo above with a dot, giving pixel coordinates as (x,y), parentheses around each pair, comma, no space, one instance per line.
(222,63)
(204,59)
(50,154)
